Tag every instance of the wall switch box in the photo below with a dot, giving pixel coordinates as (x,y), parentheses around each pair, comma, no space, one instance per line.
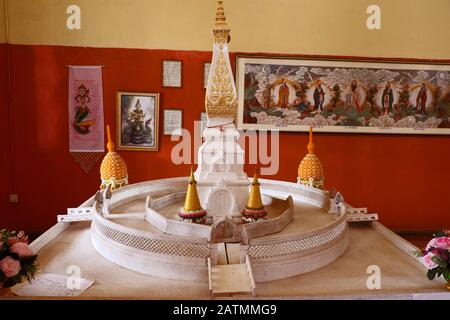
(14,198)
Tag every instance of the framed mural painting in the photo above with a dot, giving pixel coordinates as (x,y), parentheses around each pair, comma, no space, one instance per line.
(137,121)
(340,95)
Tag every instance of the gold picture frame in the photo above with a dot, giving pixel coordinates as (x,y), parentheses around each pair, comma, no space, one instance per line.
(137,121)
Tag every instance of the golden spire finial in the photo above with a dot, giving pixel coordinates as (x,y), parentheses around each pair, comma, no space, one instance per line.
(310,143)
(191,177)
(113,170)
(254,210)
(254,197)
(110,144)
(310,170)
(192,202)
(255,178)
(221,97)
(192,211)
(221,20)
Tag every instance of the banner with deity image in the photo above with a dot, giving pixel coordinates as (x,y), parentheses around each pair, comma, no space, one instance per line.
(343,96)
(86,127)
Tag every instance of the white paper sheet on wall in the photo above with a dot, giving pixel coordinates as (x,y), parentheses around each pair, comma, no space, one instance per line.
(53,285)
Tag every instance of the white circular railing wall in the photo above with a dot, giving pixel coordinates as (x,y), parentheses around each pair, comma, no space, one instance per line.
(185,258)
(296,244)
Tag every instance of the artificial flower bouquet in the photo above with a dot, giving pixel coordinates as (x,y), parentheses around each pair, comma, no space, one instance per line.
(17,260)
(436,256)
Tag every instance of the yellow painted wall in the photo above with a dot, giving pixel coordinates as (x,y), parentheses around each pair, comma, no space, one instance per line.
(410,28)
(2,22)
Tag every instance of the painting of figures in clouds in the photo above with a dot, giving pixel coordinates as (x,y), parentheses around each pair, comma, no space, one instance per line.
(343,96)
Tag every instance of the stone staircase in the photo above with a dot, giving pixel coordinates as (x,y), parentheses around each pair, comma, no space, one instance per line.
(231,278)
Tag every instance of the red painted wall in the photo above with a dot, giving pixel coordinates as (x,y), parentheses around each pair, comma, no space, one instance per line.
(403,178)
(6,185)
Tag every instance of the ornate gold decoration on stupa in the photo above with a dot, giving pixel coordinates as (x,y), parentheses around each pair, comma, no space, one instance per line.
(310,170)
(221,97)
(192,211)
(113,170)
(254,210)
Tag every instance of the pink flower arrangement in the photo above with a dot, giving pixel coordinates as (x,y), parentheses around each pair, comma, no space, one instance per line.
(22,249)
(443,243)
(436,256)
(17,260)
(9,266)
(428,260)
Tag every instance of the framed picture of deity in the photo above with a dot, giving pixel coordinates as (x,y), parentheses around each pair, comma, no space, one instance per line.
(343,95)
(137,121)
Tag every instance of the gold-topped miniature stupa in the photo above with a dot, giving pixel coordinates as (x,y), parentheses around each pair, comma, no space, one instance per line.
(254,210)
(192,211)
(113,170)
(310,170)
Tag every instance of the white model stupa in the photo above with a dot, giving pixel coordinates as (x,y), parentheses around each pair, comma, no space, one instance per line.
(222,182)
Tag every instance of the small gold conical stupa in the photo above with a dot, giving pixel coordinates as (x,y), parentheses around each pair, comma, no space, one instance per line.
(113,170)
(310,170)
(192,211)
(254,210)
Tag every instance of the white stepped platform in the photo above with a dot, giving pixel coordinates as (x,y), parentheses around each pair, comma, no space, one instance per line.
(230,278)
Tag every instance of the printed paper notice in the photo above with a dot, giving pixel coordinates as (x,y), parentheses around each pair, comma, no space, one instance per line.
(53,285)
(173,122)
(171,73)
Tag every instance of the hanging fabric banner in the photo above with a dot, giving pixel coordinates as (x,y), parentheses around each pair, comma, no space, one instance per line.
(86,127)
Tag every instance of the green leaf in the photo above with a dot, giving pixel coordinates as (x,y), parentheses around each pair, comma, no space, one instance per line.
(438,260)
(417,253)
(439,234)
(446,274)
(431,274)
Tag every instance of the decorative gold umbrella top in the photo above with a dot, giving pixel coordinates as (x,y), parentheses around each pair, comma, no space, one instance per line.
(220,15)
